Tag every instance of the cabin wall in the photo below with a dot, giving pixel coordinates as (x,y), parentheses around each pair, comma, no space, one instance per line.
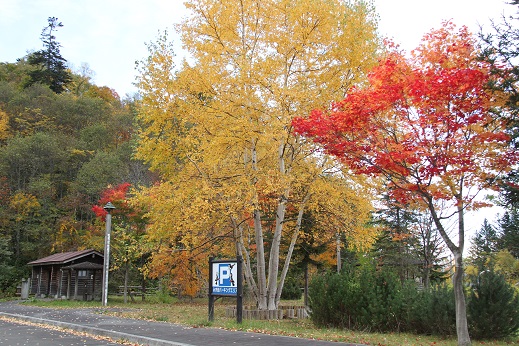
(52,281)
(45,281)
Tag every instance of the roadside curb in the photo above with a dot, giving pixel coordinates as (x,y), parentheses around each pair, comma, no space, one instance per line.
(142,340)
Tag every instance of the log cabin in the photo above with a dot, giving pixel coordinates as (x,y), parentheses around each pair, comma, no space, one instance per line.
(76,275)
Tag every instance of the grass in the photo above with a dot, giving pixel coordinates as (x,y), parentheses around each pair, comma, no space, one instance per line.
(194,313)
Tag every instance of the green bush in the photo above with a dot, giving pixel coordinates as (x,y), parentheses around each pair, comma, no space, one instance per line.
(359,299)
(493,308)
(333,301)
(10,278)
(387,304)
(291,289)
(433,312)
(366,299)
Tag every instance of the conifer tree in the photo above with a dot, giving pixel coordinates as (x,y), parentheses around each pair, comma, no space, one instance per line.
(493,307)
(51,68)
(484,245)
(509,232)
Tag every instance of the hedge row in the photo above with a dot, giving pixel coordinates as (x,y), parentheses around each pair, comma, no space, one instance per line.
(366,299)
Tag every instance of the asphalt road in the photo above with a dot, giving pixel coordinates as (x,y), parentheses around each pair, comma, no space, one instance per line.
(17,334)
(95,321)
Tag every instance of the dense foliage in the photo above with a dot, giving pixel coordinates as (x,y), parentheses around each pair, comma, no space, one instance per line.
(422,121)
(366,298)
(62,142)
(493,307)
(217,129)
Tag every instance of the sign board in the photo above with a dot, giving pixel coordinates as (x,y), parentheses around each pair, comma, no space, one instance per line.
(225,278)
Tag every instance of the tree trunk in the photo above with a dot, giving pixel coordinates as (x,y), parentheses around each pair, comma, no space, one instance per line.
(426,273)
(459,296)
(295,235)
(338,250)
(462,330)
(260,247)
(241,250)
(274,254)
(126,283)
(305,297)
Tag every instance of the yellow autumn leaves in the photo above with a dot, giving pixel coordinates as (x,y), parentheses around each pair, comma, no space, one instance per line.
(217,130)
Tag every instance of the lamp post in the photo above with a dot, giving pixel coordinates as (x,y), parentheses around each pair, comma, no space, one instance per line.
(106,262)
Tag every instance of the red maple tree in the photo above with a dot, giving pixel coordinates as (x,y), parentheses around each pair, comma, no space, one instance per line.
(118,196)
(425,122)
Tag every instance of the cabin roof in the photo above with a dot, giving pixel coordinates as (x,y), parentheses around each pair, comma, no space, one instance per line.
(64,257)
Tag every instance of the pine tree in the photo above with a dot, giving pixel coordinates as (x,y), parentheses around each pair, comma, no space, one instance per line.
(509,232)
(493,307)
(395,246)
(50,66)
(484,246)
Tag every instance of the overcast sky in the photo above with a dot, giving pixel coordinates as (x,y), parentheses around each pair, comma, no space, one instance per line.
(110,35)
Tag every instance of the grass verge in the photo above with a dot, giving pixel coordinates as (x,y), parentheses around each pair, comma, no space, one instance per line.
(194,313)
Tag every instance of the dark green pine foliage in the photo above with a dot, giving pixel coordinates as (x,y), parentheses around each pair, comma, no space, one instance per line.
(484,245)
(493,307)
(500,48)
(397,247)
(363,298)
(509,191)
(509,232)
(50,66)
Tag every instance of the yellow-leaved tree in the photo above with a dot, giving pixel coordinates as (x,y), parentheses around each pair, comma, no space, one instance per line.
(4,125)
(218,130)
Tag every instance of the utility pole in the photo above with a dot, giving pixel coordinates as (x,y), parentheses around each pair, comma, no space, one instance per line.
(106,263)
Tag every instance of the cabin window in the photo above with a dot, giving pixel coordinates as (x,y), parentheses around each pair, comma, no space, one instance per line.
(82,273)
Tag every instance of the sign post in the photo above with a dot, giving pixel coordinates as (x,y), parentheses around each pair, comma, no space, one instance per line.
(225,280)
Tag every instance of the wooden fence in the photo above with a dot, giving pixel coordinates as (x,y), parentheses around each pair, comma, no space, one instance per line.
(252,313)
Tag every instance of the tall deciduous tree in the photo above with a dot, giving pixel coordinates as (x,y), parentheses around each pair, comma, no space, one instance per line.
(127,242)
(219,130)
(425,123)
(51,68)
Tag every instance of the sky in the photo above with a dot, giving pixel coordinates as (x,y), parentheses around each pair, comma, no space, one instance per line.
(110,35)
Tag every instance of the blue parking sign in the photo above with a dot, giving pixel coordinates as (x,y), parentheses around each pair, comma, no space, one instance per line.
(224,280)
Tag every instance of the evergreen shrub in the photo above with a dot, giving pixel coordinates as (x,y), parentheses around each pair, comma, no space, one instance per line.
(434,311)
(493,307)
(291,289)
(367,299)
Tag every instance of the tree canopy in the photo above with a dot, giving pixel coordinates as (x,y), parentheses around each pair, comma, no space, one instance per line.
(424,122)
(218,130)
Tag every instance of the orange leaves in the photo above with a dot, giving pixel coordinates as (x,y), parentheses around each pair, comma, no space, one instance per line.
(443,50)
(181,269)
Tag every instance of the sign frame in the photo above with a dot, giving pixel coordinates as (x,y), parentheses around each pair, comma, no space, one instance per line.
(221,274)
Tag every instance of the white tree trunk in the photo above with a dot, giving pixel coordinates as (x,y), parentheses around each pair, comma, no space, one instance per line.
(260,248)
(242,251)
(274,254)
(295,235)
